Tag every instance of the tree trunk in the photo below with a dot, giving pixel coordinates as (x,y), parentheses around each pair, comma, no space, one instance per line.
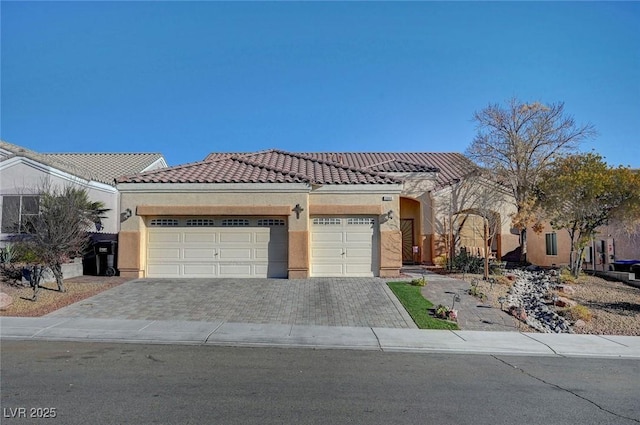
(523,245)
(486,251)
(57,272)
(576,263)
(34,280)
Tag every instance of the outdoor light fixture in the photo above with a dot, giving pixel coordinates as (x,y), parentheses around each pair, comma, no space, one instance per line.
(124,216)
(502,300)
(390,215)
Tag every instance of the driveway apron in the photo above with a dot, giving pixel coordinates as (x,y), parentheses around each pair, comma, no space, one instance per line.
(316,301)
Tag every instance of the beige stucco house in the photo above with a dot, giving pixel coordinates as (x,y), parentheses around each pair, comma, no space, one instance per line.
(299,215)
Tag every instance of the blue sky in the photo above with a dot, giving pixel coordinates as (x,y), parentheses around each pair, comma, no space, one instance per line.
(189,78)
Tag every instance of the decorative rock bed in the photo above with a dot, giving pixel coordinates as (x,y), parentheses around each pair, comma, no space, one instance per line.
(530,299)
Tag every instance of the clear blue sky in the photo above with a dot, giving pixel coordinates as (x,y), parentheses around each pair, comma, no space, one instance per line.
(189,78)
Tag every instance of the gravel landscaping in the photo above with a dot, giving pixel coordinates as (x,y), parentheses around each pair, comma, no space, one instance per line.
(603,307)
(17,299)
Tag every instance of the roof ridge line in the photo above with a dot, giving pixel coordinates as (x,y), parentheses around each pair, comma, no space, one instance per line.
(337,164)
(243,158)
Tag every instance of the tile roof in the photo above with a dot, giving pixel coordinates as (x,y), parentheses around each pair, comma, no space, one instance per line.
(101,167)
(450,166)
(272,166)
(106,167)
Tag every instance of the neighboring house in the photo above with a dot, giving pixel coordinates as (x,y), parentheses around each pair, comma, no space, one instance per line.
(298,215)
(551,247)
(23,172)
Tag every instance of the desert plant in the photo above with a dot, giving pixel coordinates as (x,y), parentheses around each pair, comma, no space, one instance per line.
(503,280)
(578,312)
(442,311)
(474,291)
(441,261)
(419,281)
(468,263)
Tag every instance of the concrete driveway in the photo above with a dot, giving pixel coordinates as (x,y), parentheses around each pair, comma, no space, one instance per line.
(317,301)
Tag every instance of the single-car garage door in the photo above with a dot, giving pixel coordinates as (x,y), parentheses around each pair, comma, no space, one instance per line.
(344,246)
(217,247)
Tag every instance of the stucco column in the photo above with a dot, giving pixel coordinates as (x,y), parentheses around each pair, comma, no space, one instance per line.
(298,254)
(129,254)
(390,253)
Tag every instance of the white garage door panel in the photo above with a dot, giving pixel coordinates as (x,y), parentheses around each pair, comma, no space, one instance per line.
(215,250)
(324,253)
(199,270)
(328,237)
(235,237)
(167,253)
(362,254)
(327,270)
(199,253)
(344,246)
(164,237)
(202,238)
(165,270)
(240,254)
(359,238)
(236,270)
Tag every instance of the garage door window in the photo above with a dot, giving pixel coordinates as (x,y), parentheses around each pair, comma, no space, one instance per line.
(235,222)
(268,222)
(200,222)
(368,221)
(327,221)
(164,222)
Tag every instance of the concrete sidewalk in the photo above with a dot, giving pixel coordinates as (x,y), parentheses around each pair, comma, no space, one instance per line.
(301,336)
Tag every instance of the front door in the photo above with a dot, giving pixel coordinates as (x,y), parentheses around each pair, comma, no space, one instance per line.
(406,226)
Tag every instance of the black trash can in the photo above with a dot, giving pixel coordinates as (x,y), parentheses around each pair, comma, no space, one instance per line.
(106,252)
(635,269)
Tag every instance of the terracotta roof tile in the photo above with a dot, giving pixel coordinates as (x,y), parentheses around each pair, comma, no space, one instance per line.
(272,166)
(450,166)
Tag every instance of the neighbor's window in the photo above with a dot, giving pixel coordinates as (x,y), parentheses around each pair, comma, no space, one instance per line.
(552,243)
(17,210)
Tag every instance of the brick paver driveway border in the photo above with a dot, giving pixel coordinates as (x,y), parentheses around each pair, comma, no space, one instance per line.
(316,301)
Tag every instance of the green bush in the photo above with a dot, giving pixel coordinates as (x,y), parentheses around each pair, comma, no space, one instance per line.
(467,263)
(420,281)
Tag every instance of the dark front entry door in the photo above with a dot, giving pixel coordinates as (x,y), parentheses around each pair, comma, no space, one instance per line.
(406,226)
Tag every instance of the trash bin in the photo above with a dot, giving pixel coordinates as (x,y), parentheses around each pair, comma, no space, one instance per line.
(106,257)
(635,269)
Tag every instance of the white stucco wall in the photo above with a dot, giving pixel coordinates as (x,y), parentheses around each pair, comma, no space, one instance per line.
(20,176)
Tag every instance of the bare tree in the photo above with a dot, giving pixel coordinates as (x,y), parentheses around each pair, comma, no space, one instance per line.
(517,142)
(59,231)
(475,204)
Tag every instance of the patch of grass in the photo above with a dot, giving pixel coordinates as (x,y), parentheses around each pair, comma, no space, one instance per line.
(418,307)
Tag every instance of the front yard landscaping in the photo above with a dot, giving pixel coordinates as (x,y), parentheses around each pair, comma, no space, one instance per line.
(418,307)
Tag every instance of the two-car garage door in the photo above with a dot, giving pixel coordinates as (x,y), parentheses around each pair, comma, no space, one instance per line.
(217,247)
(258,247)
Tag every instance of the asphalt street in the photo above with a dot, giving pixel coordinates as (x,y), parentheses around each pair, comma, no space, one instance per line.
(107,383)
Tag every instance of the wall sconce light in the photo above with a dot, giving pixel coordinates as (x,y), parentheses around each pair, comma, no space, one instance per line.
(390,215)
(124,216)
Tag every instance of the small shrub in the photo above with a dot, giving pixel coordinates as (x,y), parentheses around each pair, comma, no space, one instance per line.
(503,280)
(578,312)
(420,281)
(441,261)
(468,263)
(442,311)
(475,292)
